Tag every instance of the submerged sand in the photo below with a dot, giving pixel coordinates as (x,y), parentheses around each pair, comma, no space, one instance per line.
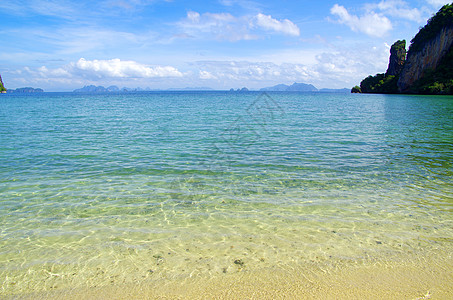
(418,278)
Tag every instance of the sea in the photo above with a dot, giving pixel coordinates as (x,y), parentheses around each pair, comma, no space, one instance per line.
(100,190)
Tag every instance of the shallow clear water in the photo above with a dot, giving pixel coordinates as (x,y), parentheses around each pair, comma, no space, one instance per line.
(109,189)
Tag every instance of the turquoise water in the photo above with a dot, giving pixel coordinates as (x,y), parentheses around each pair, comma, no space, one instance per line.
(100,190)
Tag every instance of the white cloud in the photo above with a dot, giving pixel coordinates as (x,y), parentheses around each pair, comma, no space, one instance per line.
(399,9)
(103,69)
(58,72)
(57,8)
(123,69)
(327,67)
(285,26)
(221,17)
(255,74)
(221,26)
(330,67)
(437,3)
(206,75)
(375,21)
(193,16)
(346,65)
(224,26)
(74,10)
(247,5)
(371,23)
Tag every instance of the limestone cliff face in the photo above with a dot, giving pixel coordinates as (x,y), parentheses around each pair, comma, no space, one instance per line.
(397,58)
(428,57)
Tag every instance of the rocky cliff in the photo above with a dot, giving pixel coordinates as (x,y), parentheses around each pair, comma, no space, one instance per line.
(428,68)
(425,59)
(2,87)
(397,58)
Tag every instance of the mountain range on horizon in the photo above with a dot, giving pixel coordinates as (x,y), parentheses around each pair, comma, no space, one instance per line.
(295,87)
(116,89)
(301,87)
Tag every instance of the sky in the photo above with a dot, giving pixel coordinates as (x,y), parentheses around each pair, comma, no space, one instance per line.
(61,45)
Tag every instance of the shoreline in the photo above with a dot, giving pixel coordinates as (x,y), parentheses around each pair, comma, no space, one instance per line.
(419,277)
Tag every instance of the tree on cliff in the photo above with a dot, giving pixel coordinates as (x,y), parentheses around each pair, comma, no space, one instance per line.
(436,78)
(2,87)
(386,83)
(428,67)
(379,84)
(442,19)
(356,89)
(397,58)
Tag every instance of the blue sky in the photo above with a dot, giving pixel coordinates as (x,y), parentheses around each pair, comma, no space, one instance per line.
(60,45)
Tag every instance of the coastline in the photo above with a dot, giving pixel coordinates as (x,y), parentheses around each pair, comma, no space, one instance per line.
(424,276)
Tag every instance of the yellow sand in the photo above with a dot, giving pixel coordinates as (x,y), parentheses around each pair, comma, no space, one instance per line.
(426,278)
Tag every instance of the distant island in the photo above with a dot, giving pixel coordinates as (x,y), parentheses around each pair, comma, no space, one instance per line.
(301,87)
(25,90)
(243,90)
(191,89)
(97,89)
(115,89)
(3,90)
(295,87)
(428,66)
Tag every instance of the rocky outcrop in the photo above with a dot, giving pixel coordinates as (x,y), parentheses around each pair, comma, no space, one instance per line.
(295,87)
(2,87)
(26,90)
(427,58)
(397,58)
(428,67)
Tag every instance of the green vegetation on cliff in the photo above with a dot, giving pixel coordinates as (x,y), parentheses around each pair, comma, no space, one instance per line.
(442,19)
(379,84)
(397,58)
(437,80)
(2,88)
(387,83)
(399,46)
(356,89)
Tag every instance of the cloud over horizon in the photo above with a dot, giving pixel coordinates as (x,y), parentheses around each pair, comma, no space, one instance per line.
(83,71)
(122,69)
(371,23)
(343,67)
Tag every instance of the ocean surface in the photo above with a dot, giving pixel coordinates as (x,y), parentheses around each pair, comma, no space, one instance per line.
(99,190)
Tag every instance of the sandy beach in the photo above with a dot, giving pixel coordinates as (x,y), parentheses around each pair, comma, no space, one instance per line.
(422,278)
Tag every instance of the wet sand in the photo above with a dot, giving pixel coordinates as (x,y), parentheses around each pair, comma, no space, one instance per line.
(423,278)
